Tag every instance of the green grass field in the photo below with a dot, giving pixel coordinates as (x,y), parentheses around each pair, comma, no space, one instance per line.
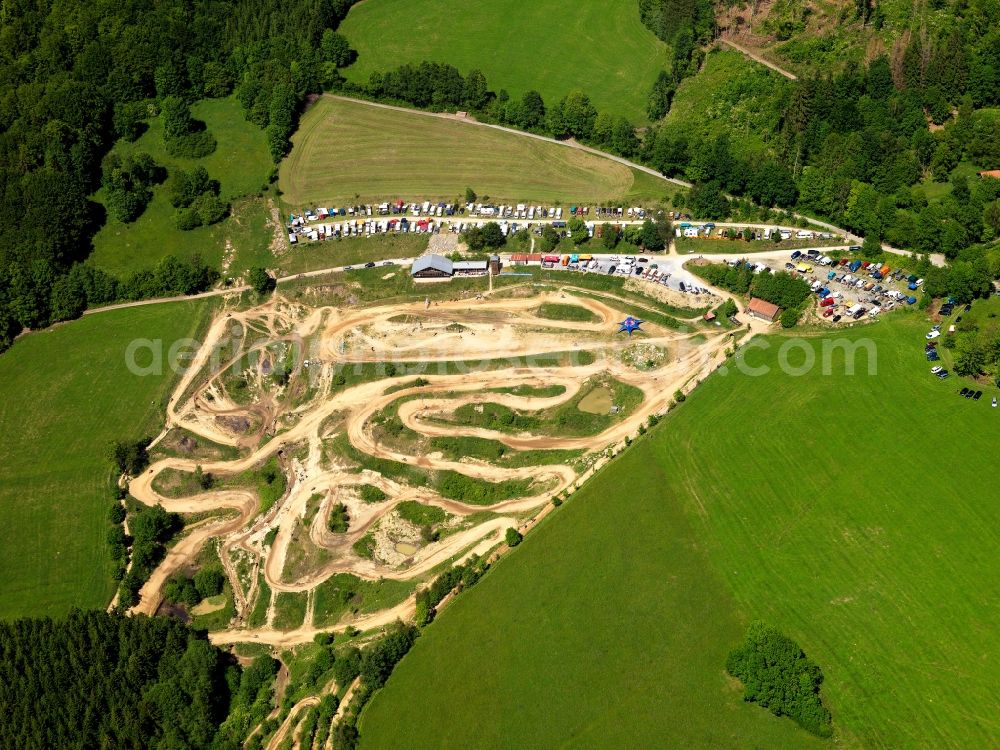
(554,47)
(312,256)
(731,95)
(240,163)
(344,151)
(66,394)
(854,513)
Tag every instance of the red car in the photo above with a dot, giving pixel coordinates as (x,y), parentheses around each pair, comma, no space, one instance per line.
(828,312)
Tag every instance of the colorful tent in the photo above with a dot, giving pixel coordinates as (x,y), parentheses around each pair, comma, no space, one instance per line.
(629,324)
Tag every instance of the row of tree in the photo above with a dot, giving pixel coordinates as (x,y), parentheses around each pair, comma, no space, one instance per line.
(48,296)
(458,576)
(439,86)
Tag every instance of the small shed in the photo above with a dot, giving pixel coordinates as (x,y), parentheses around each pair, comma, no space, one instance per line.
(432,267)
(709,316)
(763,310)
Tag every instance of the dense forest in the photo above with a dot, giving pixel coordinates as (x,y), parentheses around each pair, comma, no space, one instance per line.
(106,680)
(74,77)
(856,147)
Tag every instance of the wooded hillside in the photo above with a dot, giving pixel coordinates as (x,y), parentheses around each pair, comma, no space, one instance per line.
(74,77)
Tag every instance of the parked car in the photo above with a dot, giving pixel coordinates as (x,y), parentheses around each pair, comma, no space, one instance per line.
(963,392)
(978,395)
(994,402)
(836,318)
(370,264)
(828,312)
(936,369)
(943,374)
(932,335)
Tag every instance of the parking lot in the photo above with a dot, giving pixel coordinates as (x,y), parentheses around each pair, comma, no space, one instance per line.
(847,289)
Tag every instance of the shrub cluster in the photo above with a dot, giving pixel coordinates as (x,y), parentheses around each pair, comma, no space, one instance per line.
(777,674)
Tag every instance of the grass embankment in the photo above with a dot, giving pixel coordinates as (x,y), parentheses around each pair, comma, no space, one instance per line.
(732,95)
(344,152)
(573,417)
(880,566)
(541,391)
(343,593)
(289,609)
(215,612)
(66,394)
(258,615)
(314,256)
(554,46)
(267,480)
(495,452)
(573,313)
(450,484)
(240,163)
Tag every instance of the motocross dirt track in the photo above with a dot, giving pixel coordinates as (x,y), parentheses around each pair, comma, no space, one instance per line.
(505,340)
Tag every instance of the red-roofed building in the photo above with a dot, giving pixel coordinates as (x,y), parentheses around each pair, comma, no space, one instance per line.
(763,310)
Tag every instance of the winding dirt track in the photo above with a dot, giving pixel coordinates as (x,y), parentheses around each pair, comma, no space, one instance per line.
(330,340)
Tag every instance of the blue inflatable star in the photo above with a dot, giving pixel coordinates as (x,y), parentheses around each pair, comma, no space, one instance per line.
(629,324)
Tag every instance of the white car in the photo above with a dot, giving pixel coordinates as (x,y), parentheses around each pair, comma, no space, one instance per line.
(936,369)
(932,335)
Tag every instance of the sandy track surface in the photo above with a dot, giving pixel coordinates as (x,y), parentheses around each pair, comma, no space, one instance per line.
(297,422)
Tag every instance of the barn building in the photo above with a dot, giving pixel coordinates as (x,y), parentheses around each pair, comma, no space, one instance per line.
(763,310)
(432,267)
